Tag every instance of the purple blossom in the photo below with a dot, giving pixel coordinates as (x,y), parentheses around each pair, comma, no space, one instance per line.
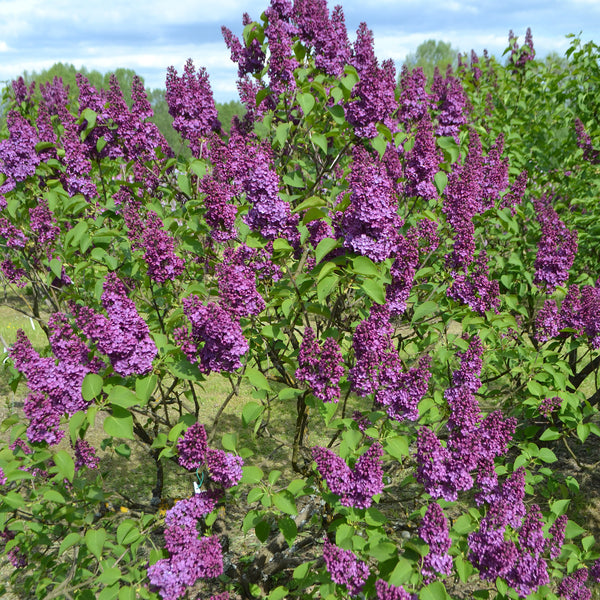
(370,224)
(224,467)
(584,141)
(237,285)
(556,249)
(573,586)
(163,263)
(356,487)
(434,532)
(22,92)
(216,341)
(594,572)
(191,105)
(328,36)
(13,236)
(43,223)
(452,104)
(374,94)
(547,322)
(345,568)
(55,95)
(85,455)
(320,367)
(250,59)
(422,162)
(550,405)
(192,447)
(3,479)
(386,591)
(220,212)
(122,335)
(13,273)
(414,99)
(18,158)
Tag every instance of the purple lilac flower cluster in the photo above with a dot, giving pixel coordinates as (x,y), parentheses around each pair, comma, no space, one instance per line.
(580,310)
(475,288)
(85,455)
(122,335)
(357,486)
(550,405)
(55,386)
(163,263)
(43,223)
(526,53)
(556,249)
(320,367)
(451,102)
(472,443)
(22,92)
(327,36)
(191,557)
(519,560)
(250,59)
(370,224)
(573,586)
(224,468)
(216,341)
(378,369)
(237,284)
(345,568)
(220,211)
(414,100)
(191,105)
(18,158)
(374,94)
(422,162)
(434,532)
(386,591)
(584,141)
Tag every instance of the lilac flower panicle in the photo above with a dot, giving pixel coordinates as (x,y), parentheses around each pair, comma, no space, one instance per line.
(547,322)
(556,249)
(594,572)
(434,531)
(422,162)
(414,99)
(345,568)
(584,141)
(3,479)
(549,406)
(356,487)
(557,536)
(122,335)
(572,587)
(191,105)
(18,158)
(386,591)
(320,367)
(224,467)
(85,455)
(222,339)
(192,447)
(370,224)
(163,264)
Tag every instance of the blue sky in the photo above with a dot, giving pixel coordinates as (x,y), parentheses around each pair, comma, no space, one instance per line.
(150,35)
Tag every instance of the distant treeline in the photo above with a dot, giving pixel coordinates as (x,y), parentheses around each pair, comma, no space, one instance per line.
(156,97)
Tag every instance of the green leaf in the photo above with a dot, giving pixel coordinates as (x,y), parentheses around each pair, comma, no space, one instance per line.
(559,507)
(434,591)
(402,571)
(94,540)
(450,148)
(65,465)
(278,593)
(288,527)
(551,433)
(119,424)
(337,112)
(56,267)
(144,388)
(110,575)
(320,140)
(441,181)
(255,494)
(127,532)
(573,530)
(374,289)
(324,247)
(312,202)
(383,551)
(396,446)
(325,287)
(184,184)
(127,592)
(424,309)
(251,474)
(257,379)
(282,132)
(250,412)
(70,540)
(547,455)
(121,396)
(363,265)
(229,441)
(262,530)
(380,144)
(285,502)
(75,423)
(306,102)
(53,496)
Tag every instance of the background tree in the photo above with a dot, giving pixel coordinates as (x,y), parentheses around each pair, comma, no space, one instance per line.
(432,54)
